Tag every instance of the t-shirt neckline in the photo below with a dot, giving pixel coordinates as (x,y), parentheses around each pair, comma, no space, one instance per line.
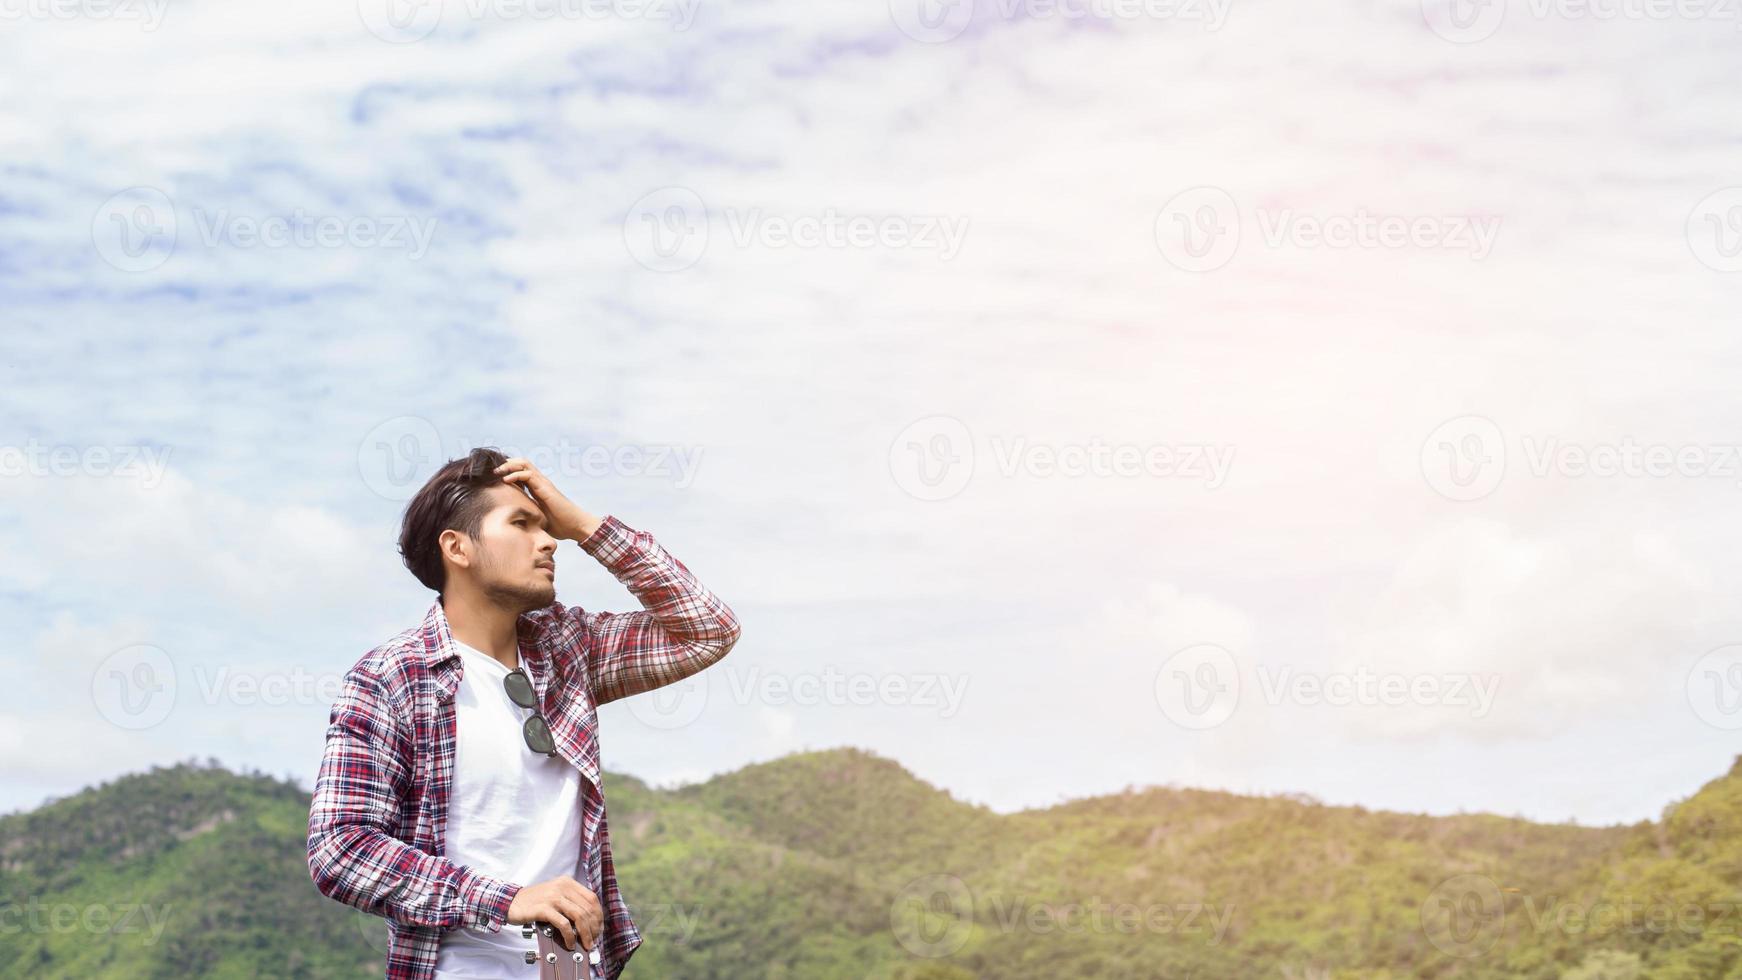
(519,655)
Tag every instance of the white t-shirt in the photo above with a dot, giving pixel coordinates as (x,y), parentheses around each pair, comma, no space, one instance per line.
(512,813)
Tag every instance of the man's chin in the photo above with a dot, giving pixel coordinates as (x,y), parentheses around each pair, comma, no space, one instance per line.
(538,598)
(527,599)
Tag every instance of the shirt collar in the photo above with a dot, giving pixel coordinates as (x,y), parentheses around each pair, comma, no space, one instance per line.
(442,657)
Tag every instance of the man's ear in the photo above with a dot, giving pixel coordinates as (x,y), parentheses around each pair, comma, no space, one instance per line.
(455,547)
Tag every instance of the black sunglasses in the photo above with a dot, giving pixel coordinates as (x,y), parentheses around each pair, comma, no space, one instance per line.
(536,730)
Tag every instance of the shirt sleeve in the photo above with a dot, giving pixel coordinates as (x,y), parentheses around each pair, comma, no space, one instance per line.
(353,855)
(681,629)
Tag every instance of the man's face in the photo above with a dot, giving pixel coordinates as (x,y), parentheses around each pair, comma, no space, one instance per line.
(514,558)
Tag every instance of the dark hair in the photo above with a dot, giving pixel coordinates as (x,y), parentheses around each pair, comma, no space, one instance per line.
(453,499)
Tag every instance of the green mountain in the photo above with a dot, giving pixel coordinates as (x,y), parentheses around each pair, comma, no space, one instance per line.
(841,864)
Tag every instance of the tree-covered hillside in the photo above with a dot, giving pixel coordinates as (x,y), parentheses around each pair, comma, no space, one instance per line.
(840,864)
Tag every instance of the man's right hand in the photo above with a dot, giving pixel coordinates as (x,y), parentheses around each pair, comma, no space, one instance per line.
(564,903)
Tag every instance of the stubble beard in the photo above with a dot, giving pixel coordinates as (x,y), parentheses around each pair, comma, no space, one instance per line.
(521,598)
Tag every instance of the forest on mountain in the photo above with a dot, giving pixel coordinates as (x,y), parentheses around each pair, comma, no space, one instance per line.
(841,864)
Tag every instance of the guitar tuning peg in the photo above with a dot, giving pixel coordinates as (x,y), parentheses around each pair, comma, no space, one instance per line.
(531,957)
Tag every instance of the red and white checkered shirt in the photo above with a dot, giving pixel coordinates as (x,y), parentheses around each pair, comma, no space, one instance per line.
(376,824)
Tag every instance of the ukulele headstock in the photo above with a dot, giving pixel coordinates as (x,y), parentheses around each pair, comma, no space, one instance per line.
(555,962)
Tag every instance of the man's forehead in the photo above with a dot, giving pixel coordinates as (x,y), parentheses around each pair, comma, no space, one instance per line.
(513,499)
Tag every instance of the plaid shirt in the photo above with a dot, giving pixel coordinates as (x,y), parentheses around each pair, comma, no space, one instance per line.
(377,821)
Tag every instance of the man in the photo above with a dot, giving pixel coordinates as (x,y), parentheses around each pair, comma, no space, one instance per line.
(460,791)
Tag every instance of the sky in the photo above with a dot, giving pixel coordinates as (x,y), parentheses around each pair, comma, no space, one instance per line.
(1282,398)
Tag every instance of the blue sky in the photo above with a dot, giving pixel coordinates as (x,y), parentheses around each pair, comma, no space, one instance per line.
(1202,394)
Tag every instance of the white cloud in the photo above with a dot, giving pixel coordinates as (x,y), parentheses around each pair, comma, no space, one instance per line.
(53,728)
(190,547)
(1577,627)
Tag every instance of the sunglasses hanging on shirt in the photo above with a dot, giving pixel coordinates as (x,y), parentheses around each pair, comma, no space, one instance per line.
(536,731)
